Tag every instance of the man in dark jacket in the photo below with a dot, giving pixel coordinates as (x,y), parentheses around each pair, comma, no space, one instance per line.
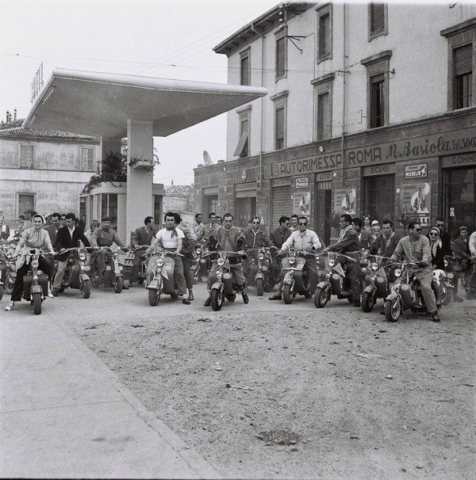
(142,236)
(67,237)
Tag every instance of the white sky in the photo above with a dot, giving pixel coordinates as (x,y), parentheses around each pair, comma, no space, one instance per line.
(136,37)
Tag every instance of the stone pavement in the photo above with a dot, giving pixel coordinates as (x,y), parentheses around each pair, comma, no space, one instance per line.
(64,414)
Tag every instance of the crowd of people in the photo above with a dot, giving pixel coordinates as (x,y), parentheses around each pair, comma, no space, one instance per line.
(427,252)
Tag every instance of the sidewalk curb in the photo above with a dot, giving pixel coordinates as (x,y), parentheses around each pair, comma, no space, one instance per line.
(190,455)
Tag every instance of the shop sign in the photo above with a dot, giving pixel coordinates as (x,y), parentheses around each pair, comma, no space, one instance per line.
(387,169)
(450,143)
(302,182)
(415,203)
(304,165)
(324,177)
(459,160)
(416,171)
(345,201)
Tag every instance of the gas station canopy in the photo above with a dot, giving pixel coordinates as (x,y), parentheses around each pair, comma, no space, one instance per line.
(100,104)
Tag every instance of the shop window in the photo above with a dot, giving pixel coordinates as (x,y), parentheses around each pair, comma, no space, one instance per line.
(324,35)
(378,89)
(27,153)
(281,53)
(377,19)
(245,68)
(461,61)
(380,197)
(109,207)
(459,198)
(87,159)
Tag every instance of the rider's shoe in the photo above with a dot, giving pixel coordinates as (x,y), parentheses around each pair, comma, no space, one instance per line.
(357,303)
(191,298)
(208,302)
(435,317)
(54,292)
(308,295)
(246,299)
(276,296)
(457,298)
(10,306)
(186,301)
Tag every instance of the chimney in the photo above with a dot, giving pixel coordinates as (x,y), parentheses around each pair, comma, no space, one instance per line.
(8,116)
(15,115)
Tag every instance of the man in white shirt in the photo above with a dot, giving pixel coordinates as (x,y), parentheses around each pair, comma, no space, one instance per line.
(307,240)
(171,239)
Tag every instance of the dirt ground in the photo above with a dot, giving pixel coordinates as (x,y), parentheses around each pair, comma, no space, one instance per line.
(268,390)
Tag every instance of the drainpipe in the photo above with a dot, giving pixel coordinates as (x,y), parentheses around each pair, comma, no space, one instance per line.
(263,44)
(344,87)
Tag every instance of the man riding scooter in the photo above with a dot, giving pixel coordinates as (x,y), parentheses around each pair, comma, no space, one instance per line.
(105,236)
(349,245)
(231,239)
(171,239)
(307,240)
(416,249)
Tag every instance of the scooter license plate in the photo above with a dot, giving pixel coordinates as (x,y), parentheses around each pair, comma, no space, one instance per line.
(227,276)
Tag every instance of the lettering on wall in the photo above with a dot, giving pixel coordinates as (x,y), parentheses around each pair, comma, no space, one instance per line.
(416,171)
(304,165)
(459,160)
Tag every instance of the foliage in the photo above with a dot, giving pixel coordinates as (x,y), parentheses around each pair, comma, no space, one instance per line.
(113,169)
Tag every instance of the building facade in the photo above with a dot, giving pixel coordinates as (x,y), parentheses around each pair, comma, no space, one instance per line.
(43,171)
(370,111)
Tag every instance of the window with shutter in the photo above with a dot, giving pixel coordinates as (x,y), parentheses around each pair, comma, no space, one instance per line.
(26,156)
(281,57)
(280,128)
(87,159)
(377,107)
(245,70)
(463,76)
(377,20)
(323,116)
(324,33)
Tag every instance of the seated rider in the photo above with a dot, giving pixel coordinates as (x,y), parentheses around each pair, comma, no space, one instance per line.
(34,237)
(415,248)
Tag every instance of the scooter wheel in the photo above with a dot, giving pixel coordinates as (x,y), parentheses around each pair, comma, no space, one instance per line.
(287,295)
(321,297)
(119,284)
(36,303)
(85,289)
(1,292)
(259,287)
(446,296)
(216,300)
(154,297)
(368,302)
(393,310)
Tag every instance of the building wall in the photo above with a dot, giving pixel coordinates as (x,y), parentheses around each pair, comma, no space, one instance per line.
(422,141)
(56,179)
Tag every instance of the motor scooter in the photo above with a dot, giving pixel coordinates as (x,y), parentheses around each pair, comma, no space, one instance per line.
(336,282)
(406,292)
(198,263)
(75,274)
(377,283)
(160,276)
(446,283)
(8,270)
(113,276)
(221,278)
(35,282)
(260,271)
(296,278)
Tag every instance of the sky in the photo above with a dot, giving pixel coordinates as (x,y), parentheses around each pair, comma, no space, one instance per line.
(157,38)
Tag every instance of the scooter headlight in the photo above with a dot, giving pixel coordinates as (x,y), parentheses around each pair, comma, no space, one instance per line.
(292,261)
(374,266)
(221,262)
(35,263)
(160,262)
(449,275)
(198,251)
(331,263)
(398,273)
(261,256)
(82,256)
(446,263)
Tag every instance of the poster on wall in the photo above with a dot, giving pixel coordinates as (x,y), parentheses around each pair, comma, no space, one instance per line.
(345,201)
(415,203)
(302,204)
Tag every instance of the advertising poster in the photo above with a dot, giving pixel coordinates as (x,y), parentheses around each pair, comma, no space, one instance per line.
(345,201)
(302,204)
(415,202)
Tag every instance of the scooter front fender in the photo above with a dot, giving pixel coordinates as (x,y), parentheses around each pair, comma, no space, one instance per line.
(84,277)
(155,284)
(370,289)
(392,296)
(35,288)
(259,275)
(323,285)
(288,278)
(218,286)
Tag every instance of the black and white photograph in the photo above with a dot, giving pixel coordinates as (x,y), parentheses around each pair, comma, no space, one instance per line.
(238,239)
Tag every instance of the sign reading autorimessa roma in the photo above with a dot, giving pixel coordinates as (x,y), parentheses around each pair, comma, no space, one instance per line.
(452,143)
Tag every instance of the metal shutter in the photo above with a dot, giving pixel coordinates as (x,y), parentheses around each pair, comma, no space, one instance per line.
(463,59)
(282,204)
